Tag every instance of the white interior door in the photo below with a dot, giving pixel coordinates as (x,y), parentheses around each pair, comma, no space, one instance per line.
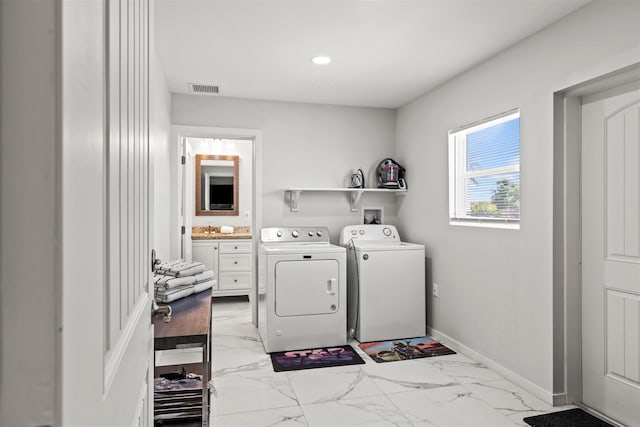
(107,337)
(611,253)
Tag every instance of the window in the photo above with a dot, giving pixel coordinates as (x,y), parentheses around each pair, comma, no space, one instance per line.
(484,172)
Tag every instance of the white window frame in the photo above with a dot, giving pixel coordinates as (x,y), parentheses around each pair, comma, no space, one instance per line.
(458,175)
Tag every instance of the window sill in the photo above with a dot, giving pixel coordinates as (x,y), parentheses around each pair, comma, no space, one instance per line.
(487,224)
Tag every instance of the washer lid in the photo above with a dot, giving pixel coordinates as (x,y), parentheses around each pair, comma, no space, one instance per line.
(373,245)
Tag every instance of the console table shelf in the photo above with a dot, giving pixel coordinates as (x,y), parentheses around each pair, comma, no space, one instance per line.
(354,194)
(190,326)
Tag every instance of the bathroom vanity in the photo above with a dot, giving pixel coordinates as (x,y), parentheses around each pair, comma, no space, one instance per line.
(230,256)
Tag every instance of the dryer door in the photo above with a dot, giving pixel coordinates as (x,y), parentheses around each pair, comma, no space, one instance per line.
(307,287)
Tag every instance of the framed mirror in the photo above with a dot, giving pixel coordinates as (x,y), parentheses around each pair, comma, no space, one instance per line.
(216,185)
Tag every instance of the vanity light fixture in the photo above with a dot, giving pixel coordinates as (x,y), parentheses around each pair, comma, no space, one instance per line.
(321,60)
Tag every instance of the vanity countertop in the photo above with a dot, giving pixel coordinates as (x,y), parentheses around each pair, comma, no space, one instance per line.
(213,233)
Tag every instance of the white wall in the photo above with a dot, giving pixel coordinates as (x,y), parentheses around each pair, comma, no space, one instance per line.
(495,294)
(304,145)
(29,222)
(226,147)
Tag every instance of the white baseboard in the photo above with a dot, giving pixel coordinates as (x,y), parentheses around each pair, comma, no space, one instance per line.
(557,399)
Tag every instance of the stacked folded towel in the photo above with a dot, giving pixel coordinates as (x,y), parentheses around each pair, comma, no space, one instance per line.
(180,278)
(180,268)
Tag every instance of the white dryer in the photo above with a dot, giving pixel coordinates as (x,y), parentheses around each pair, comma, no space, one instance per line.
(386,284)
(302,289)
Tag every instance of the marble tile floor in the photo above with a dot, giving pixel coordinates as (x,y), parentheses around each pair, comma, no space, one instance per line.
(448,390)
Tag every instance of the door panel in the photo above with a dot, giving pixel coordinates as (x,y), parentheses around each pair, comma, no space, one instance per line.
(306,287)
(622,336)
(610,253)
(622,195)
(206,253)
(391,294)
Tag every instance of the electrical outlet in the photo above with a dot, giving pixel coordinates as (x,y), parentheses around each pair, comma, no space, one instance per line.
(435,290)
(247,215)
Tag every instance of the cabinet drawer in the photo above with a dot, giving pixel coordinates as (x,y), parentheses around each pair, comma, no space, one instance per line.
(235,247)
(234,281)
(233,262)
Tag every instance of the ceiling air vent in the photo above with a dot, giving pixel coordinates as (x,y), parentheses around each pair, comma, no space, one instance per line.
(204,88)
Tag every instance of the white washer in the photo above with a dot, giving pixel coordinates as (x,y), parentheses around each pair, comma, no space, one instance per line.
(302,289)
(386,284)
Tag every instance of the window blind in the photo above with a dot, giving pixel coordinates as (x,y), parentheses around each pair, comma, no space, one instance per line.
(485,171)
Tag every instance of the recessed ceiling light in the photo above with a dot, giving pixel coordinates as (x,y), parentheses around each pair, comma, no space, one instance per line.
(321,60)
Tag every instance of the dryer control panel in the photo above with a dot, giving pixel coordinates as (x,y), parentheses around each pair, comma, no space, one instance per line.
(378,232)
(294,235)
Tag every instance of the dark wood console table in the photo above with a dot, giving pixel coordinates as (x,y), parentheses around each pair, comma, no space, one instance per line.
(190,326)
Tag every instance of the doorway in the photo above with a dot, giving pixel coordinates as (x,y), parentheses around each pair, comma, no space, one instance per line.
(596,241)
(186,142)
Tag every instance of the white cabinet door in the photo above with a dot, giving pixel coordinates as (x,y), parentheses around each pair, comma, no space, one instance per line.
(206,253)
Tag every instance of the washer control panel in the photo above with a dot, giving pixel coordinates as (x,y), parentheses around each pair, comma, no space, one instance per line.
(295,234)
(380,232)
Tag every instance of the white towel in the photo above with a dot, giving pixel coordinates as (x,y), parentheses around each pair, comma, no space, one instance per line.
(177,265)
(169,282)
(167,266)
(199,287)
(204,276)
(226,229)
(182,268)
(191,271)
(164,292)
(171,295)
(185,266)
(176,294)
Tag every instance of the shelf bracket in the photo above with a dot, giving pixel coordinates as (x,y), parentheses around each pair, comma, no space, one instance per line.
(355,199)
(294,197)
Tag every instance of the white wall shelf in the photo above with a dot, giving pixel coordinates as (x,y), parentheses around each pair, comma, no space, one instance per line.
(354,193)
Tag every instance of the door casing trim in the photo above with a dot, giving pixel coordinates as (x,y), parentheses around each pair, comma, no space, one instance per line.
(255,136)
(567,295)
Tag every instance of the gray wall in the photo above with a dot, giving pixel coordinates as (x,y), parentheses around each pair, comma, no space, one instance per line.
(495,293)
(29,222)
(304,145)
